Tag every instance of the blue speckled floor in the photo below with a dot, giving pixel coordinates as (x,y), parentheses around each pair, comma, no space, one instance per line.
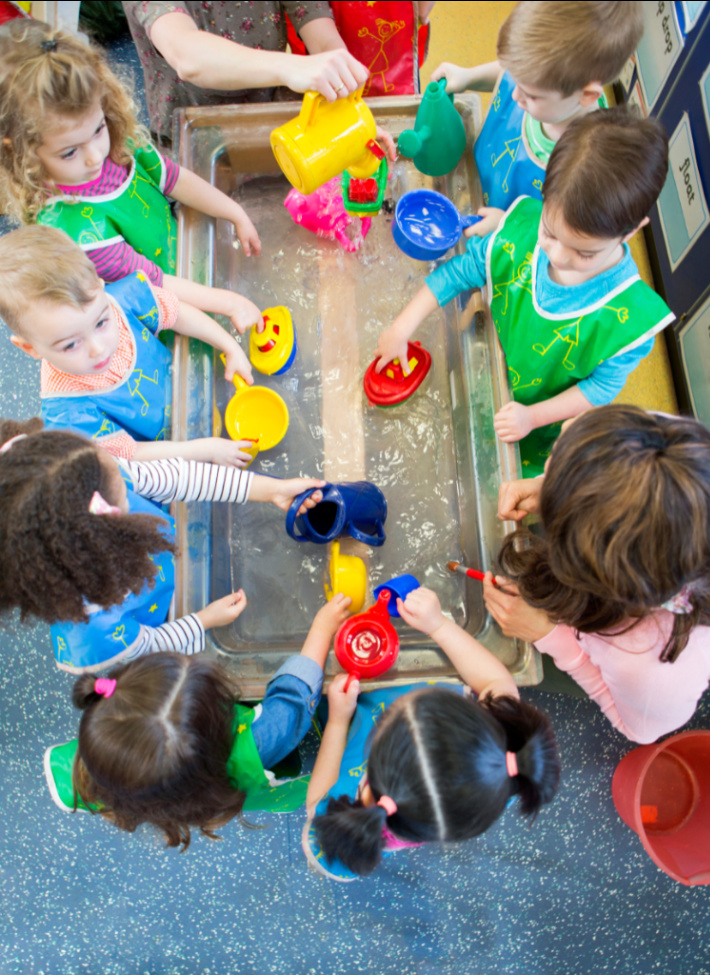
(574,895)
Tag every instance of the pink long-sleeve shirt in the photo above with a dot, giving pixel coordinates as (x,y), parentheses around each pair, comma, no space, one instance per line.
(642,697)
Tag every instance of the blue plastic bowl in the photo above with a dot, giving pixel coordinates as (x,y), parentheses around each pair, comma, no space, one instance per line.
(427,224)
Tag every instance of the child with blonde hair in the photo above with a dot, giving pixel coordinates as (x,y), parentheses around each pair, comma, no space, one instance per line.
(573,316)
(73,156)
(554,58)
(105,373)
(87,546)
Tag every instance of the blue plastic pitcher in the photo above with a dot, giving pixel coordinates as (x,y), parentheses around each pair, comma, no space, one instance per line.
(397,586)
(358,509)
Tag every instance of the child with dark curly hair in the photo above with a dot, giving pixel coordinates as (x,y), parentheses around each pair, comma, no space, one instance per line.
(164,741)
(86,546)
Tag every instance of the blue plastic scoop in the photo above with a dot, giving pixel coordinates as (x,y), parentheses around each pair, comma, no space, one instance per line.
(426,224)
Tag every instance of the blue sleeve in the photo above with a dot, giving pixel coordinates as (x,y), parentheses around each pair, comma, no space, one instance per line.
(462,272)
(291,698)
(609,377)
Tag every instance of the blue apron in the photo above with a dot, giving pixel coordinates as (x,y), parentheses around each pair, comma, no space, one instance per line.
(140,405)
(108,633)
(371,705)
(506,167)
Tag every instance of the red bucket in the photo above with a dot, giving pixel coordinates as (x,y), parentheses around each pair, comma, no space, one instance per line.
(662,792)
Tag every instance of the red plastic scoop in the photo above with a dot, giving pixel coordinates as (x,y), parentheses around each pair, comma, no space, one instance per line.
(367,645)
(391,386)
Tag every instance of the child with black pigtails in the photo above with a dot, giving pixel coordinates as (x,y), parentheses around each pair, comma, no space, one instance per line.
(442,765)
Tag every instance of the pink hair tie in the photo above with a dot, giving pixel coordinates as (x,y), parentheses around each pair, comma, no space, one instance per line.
(100,506)
(8,443)
(389,805)
(511,763)
(105,686)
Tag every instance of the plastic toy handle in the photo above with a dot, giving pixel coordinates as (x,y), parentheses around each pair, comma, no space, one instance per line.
(309,106)
(291,515)
(380,608)
(470,221)
(353,675)
(359,536)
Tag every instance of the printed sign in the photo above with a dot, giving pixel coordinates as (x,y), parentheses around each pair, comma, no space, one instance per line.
(694,341)
(627,74)
(682,206)
(659,48)
(635,99)
(691,13)
(705,93)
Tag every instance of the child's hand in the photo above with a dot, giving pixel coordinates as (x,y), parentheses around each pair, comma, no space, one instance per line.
(519,498)
(229,453)
(422,610)
(492,216)
(384,137)
(223,611)
(391,345)
(248,237)
(342,703)
(235,360)
(242,312)
(514,616)
(513,422)
(281,493)
(456,77)
(330,617)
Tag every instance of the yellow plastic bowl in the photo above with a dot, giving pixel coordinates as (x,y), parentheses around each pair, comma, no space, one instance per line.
(347,574)
(256,413)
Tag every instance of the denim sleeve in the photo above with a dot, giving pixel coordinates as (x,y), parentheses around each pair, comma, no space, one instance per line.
(461,272)
(609,377)
(291,698)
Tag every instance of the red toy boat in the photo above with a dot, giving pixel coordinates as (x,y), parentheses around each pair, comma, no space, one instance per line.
(367,645)
(391,387)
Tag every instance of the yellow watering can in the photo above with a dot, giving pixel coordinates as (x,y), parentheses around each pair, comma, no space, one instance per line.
(256,413)
(325,139)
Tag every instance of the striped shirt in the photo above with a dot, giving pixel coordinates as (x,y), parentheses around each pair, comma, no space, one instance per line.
(119,260)
(170,480)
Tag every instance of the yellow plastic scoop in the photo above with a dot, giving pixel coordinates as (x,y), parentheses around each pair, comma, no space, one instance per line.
(256,413)
(347,574)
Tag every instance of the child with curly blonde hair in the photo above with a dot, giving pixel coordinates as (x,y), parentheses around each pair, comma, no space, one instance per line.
(73,156)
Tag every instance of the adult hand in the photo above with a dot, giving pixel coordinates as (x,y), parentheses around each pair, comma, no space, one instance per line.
(492,216)
(513,422)
(519,498)
(223,611)
(422,610)
(342,703)
(334,74)
(514,616)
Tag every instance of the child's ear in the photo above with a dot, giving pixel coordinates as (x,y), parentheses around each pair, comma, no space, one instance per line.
(591,94)
(25,346)
(628,237)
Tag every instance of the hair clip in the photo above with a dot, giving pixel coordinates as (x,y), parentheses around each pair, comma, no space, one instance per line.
(679,604)
(511,764)
(8,443)
(49,45)
(105,686)
(99,506)
(389,805)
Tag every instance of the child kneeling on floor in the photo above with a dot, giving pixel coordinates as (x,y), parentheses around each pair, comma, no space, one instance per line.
(573,316)
(164,740)
(105,373)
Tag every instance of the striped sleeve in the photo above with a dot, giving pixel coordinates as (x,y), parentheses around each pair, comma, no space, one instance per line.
(176,479)
(172,171)
(186,636)
(118,260)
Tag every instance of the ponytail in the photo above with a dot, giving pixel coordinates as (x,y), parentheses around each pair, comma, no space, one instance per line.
(352,833)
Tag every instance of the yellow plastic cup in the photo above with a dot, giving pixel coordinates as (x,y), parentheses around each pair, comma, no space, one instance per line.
(256,413)
(325,139)
(346,574)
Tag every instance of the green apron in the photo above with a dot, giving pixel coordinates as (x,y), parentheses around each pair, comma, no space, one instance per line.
(244,768)
(545,353)
(136,212)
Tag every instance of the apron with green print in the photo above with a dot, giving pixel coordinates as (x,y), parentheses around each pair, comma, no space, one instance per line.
(549,353)
(263,791)
(136,212)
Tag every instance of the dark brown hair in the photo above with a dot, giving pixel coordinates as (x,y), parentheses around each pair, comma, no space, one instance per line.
(625,508)
(156,750)
(56,556)
(563,45)
(607,171)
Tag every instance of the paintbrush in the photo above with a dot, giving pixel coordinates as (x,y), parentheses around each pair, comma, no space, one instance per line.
(471,573)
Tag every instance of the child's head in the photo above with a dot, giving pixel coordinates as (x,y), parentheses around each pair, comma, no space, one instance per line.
(561,53)
(53,301)
(603,177)
(625,508)
(57,555)
(441,758)
(62,111)
(155,750)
